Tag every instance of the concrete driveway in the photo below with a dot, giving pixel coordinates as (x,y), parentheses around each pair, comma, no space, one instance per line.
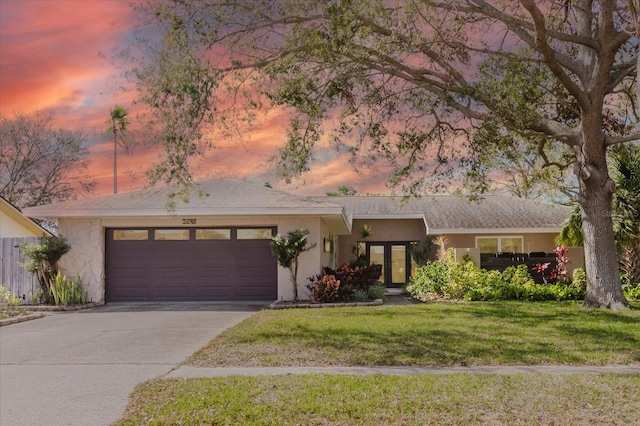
(78,368)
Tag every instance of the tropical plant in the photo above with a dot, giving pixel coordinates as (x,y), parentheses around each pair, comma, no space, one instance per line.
(65,291)
(559,271)
(324,289)
(288,249)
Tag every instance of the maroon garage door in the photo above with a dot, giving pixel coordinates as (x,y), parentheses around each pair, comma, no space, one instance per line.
(196,264)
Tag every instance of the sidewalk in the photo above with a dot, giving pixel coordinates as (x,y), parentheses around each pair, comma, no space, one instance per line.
(186,371)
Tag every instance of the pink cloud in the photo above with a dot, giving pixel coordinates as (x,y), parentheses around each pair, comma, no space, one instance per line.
(53,53)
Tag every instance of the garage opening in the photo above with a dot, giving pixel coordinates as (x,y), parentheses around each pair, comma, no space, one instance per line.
(190,264)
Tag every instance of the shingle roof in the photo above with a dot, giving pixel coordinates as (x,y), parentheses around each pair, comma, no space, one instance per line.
(227,197)
(448,213)
(221,197)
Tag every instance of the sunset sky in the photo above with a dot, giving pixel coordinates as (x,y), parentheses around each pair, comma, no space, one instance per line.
(56,56)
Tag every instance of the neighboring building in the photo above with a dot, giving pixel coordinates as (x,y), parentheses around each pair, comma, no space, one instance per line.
(128,247)
(15,228)
(13,224)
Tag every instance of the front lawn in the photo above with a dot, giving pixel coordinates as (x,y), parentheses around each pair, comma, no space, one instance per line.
(382,400)
(433,334)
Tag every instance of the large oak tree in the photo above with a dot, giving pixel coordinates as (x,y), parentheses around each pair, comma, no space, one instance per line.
(441,88)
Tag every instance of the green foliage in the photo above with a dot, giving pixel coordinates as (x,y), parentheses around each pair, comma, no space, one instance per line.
(343,191)
(7,297)
(631,288)
(65,291)
(360,295)
(447,279)
(287,249)
(421,252)
(377,291)
(43,260)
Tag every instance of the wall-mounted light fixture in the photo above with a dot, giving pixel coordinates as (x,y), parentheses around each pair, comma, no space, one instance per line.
(327,245)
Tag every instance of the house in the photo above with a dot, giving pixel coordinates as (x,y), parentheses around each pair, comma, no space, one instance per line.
(13,224)
(129,247)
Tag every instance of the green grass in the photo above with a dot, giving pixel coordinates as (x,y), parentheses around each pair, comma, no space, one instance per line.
(11,311)
(382,400)
(435,334)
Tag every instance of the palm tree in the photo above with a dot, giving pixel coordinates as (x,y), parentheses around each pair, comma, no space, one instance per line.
(119,123)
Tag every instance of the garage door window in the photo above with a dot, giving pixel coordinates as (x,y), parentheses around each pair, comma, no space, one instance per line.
(254,234)
(171,234)
(130,234)
(213,234)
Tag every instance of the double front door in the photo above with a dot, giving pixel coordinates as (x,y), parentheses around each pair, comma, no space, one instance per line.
(395,261)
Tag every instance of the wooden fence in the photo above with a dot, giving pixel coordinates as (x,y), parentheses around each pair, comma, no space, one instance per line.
(14,277)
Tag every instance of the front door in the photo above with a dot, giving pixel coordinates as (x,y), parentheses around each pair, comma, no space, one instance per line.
(395,261)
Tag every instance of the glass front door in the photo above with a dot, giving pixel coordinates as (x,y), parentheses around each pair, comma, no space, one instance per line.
(394,258)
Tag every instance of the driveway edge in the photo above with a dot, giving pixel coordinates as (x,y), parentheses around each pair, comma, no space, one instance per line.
(210,372)
(20,318)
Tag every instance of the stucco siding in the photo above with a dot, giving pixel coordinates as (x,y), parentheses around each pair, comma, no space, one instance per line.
(86,257)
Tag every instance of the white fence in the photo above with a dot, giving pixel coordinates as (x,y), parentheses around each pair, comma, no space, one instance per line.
(14,277)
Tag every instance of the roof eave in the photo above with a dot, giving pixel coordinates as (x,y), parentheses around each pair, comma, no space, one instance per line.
(489,231)
(109,213)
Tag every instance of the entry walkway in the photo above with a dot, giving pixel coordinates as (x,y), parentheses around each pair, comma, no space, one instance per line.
(185,371)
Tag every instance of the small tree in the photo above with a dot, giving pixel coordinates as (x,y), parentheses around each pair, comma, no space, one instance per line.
(44,257)
(288,249)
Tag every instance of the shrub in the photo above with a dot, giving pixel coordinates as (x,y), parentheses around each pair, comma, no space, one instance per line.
(377,291)
(631,290)
(451,280)
(350,279)
(43,263)
(360,295)
(357,277)
(65,291)
(7,297)
(324,289)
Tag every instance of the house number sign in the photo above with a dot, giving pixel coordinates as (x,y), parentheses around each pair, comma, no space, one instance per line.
(188,221)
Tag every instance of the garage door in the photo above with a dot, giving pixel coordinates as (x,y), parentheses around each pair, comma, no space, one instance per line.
(197,264)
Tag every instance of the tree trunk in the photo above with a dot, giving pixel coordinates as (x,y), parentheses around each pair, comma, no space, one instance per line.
(604,289)
(293,272)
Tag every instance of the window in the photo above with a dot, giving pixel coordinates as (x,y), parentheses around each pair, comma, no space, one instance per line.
(130,234)
(499,244)
(171,234)
(213,234)
(254,234)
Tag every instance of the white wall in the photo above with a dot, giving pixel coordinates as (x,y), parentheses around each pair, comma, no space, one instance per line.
(86,257)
